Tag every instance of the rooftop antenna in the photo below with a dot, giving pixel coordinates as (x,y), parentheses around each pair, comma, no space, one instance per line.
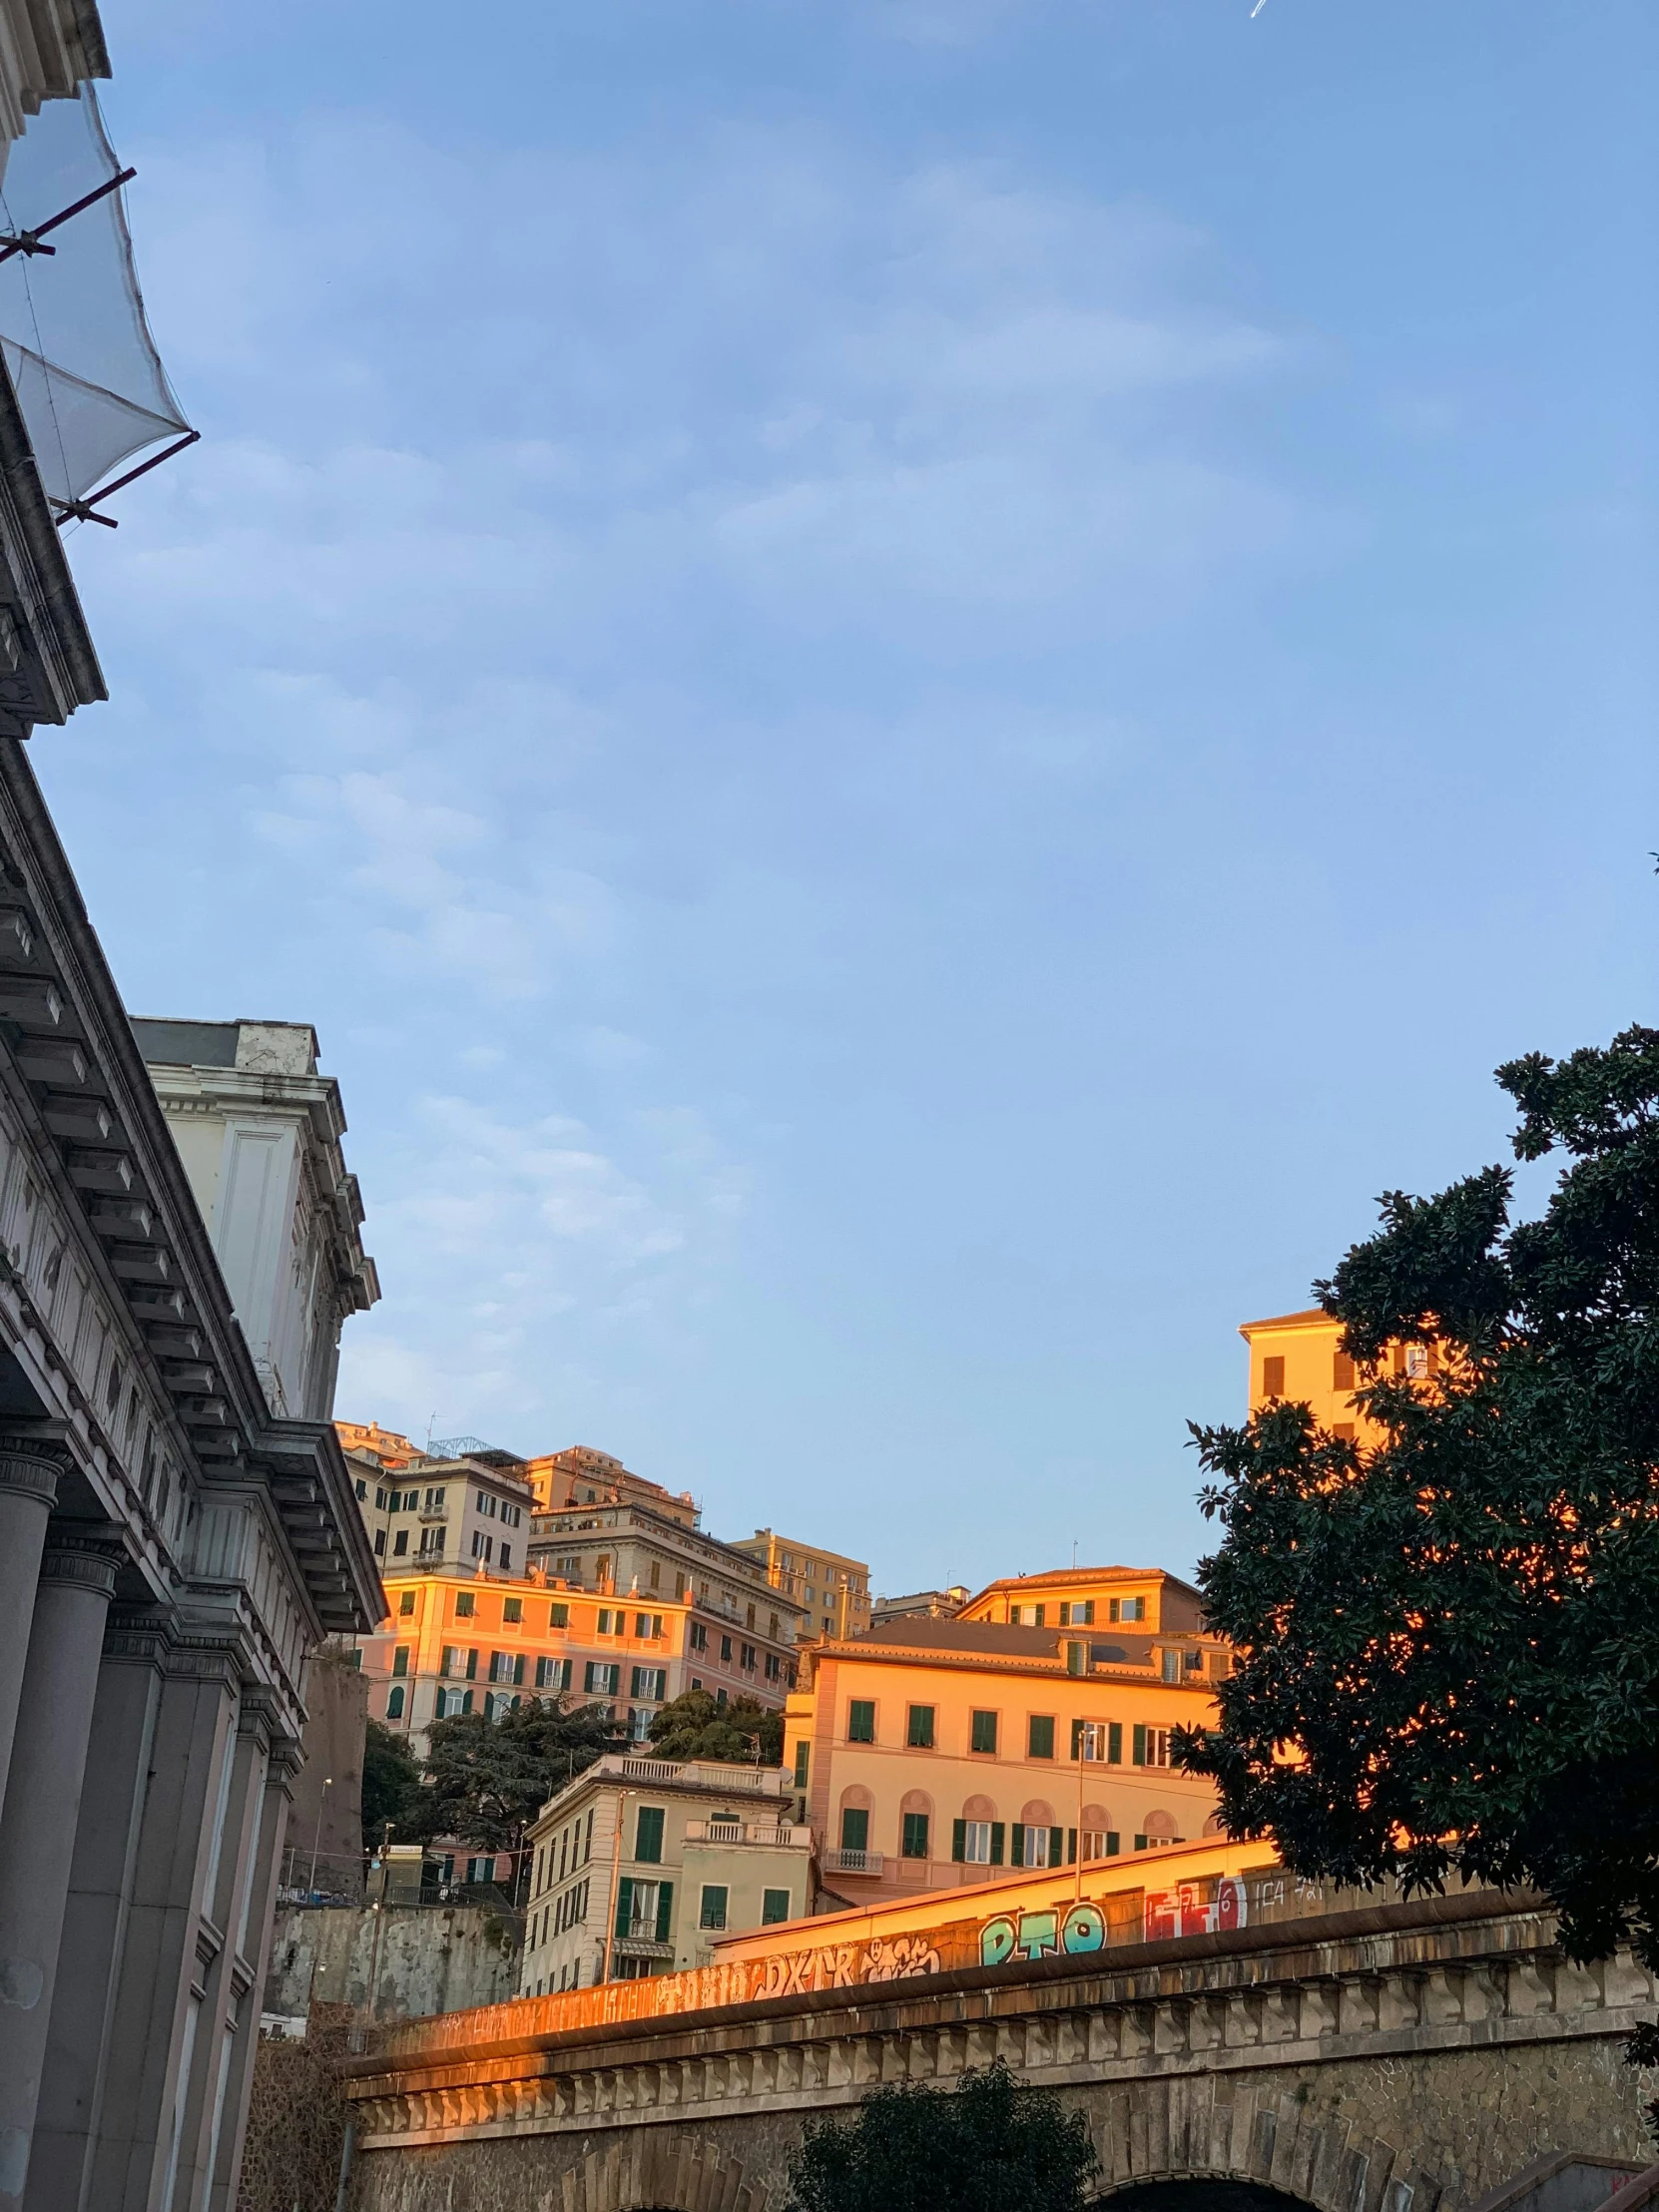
(1074,1556)
(430,1425)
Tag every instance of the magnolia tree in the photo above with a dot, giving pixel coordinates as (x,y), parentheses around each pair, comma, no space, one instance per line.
(1447,1637)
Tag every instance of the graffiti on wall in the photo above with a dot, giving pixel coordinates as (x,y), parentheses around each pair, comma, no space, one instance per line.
(1212,1907)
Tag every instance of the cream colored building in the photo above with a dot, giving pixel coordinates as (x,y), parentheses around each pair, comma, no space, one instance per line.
(642,1864)
(259,1130)
(829,1591)
(462,1514)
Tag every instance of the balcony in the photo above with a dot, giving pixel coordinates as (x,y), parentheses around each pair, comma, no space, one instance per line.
(773,1832)
(852,1861)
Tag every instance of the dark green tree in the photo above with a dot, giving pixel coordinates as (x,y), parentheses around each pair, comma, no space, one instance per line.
(695,1727)
(989,2144)
(486,1780)
(392,1783)
(1448,1640)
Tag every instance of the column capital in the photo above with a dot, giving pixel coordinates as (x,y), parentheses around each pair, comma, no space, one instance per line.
(91,1562)
(30,1470)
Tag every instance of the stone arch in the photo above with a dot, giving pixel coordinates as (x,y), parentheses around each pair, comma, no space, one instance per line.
(978,1809)
(1203,2193)
(1206,2144)
(1037,1813)
(656,2170)
(1160,1827)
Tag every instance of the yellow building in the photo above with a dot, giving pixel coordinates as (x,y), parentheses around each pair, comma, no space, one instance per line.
(829,1591)
(935,1753)
(1299,1356)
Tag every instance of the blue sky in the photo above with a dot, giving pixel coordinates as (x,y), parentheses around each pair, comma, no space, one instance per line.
(913,686)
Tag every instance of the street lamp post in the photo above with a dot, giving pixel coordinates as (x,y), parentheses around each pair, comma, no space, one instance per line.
(316,1833)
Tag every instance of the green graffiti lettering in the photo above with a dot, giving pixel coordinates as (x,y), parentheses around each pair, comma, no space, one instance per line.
(1085,1929)
(997,1942)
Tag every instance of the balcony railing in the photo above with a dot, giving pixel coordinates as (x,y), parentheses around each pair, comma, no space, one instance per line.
(852,1861)
(650,1770)
(773,1832)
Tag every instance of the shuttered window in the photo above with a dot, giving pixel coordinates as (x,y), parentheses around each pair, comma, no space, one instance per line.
(648,1835)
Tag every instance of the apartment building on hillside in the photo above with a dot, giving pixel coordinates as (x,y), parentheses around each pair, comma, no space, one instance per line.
(580,1475)
(1300,1356)
(931,1753)
(457,1642)
(741,1636)
(430,1510)
(1145,1600)
(641,1864)
(829,1591)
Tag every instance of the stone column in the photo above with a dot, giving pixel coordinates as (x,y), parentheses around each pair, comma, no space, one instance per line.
(283,1762)
(155,2017)
(28,1487)
(226,1977)
(95,1920)
(37,1827)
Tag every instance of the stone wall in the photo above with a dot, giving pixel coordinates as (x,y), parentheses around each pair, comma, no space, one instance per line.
(1393,2060)
(432,1958)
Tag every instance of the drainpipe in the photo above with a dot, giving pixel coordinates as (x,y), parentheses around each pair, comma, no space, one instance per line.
(348,2148)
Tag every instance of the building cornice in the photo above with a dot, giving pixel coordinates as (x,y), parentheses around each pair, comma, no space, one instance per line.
(82,1087)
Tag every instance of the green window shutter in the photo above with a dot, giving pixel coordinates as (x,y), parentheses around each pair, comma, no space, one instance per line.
(1071,1846)
(775,1906)
(624,1905)
(1077,1738)
(959,1841)
(467,1702)
(558,1614)
(665,1910)
(472,1666)
(1114,1743)
(648,1835)
(1056,1846)
(1111,1843)
(1040,1740)
(1018,1855)
(1137,1755)
(860,1720)
(803,1754)
(998,1833)
(518,1669)
(855,1828)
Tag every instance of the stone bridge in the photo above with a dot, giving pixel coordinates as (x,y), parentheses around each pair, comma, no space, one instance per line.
(1401,2058)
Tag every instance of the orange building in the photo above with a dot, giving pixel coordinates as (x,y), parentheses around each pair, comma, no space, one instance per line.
(459,1642)
(1146,1599)
(935,1753)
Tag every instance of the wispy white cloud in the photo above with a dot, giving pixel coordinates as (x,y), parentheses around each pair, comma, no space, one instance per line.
(551,508)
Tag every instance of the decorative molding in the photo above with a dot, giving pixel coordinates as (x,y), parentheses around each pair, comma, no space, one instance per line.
(91,1562)
(26,1471)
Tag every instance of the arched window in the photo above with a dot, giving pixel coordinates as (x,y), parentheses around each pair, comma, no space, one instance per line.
(915,1824)
(394,1703)
(1214,1825)
(1097,1838)
(1161,1828)
(856,1806)
(1036,1839)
